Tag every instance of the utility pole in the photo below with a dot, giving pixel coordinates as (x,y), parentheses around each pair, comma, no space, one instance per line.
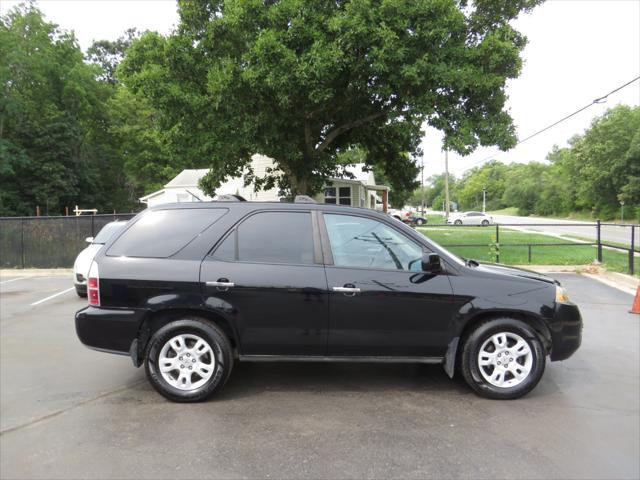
(447,208)
(422,184)
(484,199)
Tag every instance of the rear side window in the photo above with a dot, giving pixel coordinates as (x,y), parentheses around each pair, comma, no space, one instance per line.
(271,237)
(162,233)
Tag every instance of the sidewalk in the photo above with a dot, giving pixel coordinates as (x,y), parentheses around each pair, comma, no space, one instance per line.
(625,283)
(34,272)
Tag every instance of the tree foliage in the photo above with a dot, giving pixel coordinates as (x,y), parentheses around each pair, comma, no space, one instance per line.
(55,149)
(592,175)
(303,80)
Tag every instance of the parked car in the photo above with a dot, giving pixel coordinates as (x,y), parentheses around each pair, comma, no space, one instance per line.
(408,216)
(85,257)
(470,218)
(190,289)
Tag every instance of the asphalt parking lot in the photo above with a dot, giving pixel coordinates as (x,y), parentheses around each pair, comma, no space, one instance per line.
(69,412)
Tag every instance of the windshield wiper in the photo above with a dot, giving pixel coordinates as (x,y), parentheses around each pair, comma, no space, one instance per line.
(471,263)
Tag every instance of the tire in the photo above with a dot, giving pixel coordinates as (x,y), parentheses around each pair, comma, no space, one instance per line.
(485,223)
(458,222)
(81,292)
(531,364)
(420,222)
(215,363)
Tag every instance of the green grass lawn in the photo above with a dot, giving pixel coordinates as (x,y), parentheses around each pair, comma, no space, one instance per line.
(569,253)
(505,211)
(435,219)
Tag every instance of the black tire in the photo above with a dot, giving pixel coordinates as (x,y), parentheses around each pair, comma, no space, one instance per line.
(458,222)
(220,347)
(469,364)
(485,223)
(420,221)
(81,292)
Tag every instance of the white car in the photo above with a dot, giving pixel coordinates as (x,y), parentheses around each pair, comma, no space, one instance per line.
(85,257)
(470,218)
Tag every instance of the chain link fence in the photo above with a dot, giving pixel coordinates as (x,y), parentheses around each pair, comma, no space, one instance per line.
(48,242)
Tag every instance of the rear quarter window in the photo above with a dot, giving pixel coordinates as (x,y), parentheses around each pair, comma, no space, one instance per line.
(163,233)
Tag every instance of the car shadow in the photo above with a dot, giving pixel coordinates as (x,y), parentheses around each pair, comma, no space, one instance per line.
(249,379)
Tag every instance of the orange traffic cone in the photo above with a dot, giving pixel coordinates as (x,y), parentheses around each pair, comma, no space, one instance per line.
(636,302)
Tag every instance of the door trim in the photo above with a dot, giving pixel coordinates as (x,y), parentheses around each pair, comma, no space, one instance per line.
(351,359)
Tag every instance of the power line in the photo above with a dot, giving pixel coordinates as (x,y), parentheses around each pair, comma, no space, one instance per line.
(594,102)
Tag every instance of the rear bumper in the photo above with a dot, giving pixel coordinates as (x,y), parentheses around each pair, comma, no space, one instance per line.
(111,330)
(566,331)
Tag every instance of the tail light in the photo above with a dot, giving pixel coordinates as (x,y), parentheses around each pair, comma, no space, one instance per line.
(93,285)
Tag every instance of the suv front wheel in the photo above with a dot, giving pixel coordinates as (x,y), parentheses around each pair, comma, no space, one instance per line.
(188,360)
(503,358)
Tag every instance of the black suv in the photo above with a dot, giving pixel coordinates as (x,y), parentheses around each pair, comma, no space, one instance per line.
(189,289)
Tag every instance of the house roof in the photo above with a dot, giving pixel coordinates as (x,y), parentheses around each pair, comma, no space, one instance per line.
(188,178)
(360,174)
(151,195)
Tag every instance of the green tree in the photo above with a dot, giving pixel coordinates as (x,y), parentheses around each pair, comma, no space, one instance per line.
(606,161)
(108,54)
(55,150)
(522,186)
(302,81)
(492,176)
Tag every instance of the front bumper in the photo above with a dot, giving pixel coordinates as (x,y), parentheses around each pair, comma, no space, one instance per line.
(566,331)
(106,329)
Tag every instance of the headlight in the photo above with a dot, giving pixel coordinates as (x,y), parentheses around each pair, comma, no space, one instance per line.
(561,295)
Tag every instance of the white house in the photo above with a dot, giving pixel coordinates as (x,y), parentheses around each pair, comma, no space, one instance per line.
(359,191)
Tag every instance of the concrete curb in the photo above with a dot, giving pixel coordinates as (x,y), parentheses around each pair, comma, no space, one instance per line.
(614,280)
(35,272)
(624,283)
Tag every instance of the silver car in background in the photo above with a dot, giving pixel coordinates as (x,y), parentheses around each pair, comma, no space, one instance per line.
(85,257)
(470,218)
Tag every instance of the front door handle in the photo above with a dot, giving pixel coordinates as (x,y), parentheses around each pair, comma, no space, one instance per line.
(222,284)
(349,290)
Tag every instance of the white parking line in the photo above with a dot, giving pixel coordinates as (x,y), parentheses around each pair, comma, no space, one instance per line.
(12,280)
(52,296)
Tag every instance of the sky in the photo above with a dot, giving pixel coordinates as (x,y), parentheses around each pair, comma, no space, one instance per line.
(578,50)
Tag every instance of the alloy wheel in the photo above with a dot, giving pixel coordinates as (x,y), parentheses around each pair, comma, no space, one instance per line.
(505,359)
(186,362)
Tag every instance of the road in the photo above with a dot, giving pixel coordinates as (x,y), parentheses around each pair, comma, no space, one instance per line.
(70,412)
(609,233)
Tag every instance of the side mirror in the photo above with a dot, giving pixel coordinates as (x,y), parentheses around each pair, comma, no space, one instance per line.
(89,239)
(431,263)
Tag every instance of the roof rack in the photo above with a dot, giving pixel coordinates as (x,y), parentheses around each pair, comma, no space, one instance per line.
(304,199)
(230,198)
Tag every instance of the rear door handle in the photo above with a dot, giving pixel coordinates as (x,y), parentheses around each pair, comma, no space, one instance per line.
(349,290)
(222,284)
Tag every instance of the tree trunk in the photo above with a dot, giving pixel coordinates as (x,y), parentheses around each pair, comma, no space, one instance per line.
(299,185)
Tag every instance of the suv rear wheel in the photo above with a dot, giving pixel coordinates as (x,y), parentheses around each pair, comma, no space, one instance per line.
(188,360)
(503,358)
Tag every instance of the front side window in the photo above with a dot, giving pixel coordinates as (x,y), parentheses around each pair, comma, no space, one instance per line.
(163,233)
(360,242)
(271,237)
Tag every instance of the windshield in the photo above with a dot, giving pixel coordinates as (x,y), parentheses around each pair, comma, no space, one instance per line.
(107,231)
